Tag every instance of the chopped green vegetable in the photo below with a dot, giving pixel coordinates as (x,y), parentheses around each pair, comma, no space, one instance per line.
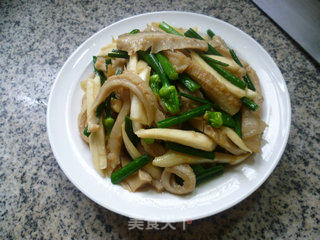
(167,66)
(168,29)
(193,34)
(249,103)
(134,31)
(189,83)
(108,61)
(197,99)
(108,105)
(214,60)
(119,51)
(85,131)
(169,97)
(155,83)
(116,53)
(108,124)
(214,118)
(227,120)
(250,85)
(189,150)
(168,93)
(129,130)
(235,58)
(168,122)
(108,121)
(226,117)
(210,33)
(130,168)
(119,71)
(148,140)
(224,73)
(203,174)
(100,108)
(99,72)
(238,128)
(246,78)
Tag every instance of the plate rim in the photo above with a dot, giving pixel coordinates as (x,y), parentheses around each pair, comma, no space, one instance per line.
(199,216)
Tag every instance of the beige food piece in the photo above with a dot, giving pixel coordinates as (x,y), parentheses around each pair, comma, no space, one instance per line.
(234,137)
(179,61)
(231,88)
(214,88)
(172,158)
(154,149)
(217,135)
(130,81)
(158,41)
(231,159)
(137,180)
(188,138)
(185,172)
(157,185)
(116,105)
(82,118)
(115,140)
(101,64)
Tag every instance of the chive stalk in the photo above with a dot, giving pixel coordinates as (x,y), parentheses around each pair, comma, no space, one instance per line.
(224,73)
(189,83)
(168,29)
(168,122)
(193,34)
(246,78)
(130,168)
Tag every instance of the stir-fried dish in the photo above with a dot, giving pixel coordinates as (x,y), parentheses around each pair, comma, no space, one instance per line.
(169,108)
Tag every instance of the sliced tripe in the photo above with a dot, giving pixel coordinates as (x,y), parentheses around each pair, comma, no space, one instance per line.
(229,158)
(217,135)
(178,60)
(114,144)
(188,138)
(232,88)
(135,84)
(234,137)
(172,158)
(138,179)
(137,111)
(215,89)
(158,41)
(96,139)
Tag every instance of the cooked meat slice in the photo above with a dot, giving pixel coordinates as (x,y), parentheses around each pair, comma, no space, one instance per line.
(214,89)
(158,41)
(154,149)
(130,81)
(183,171)
(115,140)
(82,119)
(219,44)
(178,60)
(217,135)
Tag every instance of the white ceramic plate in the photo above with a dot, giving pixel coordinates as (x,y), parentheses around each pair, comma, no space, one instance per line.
(210,198)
